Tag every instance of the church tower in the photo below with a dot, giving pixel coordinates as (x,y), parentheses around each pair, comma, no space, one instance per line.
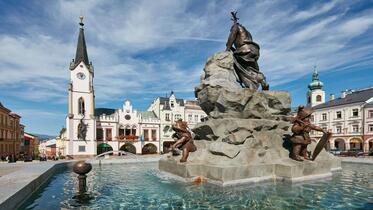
(315,94)
(81,102)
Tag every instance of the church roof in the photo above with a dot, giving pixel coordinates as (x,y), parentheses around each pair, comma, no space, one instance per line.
(106,111)
(81,49)
(351,98)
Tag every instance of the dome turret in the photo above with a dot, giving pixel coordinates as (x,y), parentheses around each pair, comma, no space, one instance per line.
(316,83)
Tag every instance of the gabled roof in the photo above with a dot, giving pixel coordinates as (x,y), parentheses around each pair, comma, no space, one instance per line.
(354,97)
(106,111)
(3,107)
(162,101)
(148,115)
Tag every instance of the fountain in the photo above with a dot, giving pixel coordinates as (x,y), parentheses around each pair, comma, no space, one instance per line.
(247,134)
(82,168)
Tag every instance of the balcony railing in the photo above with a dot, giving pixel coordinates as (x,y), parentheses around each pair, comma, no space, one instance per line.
(127,138)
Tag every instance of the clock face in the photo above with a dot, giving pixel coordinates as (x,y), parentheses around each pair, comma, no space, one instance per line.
(80,75)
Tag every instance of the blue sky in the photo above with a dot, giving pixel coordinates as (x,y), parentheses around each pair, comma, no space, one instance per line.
(144,49)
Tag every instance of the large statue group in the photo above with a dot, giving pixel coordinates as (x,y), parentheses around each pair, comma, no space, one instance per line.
(245,56)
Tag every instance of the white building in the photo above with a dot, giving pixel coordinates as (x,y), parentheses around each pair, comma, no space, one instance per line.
(127,129)
(349,117)
(193,113)
(168,110)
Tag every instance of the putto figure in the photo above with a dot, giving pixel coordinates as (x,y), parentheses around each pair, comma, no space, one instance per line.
(301,134)
(184,139)
(246,55)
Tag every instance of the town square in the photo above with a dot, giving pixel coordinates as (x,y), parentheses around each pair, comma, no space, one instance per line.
(186,104)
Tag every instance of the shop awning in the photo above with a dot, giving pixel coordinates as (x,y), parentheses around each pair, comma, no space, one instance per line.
(356,141)
(104,145)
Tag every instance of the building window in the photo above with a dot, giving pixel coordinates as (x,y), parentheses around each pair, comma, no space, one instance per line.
(339,129)
(312,118)
(195,118)
(177,116)
(108,134)
(154,135)
(309,99)
(355,112)
(128,131)
(190,118)
(146,135)
(167,118)
(81,148)
(81,107)
(355,128)
(318,98)
(100,134)
(370,128)
(324,117)
(121,132)
(339,114)
(370,113)
(172,104)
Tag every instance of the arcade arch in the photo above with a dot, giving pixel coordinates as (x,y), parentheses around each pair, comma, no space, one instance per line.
(149,148)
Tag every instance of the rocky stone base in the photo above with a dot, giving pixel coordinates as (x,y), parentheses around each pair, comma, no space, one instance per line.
(225,175)
(222,170)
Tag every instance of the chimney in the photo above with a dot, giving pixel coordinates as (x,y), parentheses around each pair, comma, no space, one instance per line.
(331,97)
(343,94)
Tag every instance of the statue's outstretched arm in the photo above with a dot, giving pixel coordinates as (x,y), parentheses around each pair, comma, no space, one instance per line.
(178,142)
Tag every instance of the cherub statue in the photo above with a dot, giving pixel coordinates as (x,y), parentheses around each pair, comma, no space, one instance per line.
(184,139)
(301,133)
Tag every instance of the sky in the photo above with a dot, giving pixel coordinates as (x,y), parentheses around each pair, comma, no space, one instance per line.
(144,49)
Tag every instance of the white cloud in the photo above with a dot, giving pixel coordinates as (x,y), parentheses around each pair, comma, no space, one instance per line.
(315,11)
(118,33)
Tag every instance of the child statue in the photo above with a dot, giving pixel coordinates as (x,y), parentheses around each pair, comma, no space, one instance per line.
(184,139)
(301,137)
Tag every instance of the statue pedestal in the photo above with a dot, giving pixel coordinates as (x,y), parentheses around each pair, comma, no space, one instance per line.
(284,170)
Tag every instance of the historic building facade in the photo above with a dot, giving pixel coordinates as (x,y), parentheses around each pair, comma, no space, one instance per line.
(30,145)
(106,129)
(349,117)
(117,129)
(11,132)
(127,129)
(168,110)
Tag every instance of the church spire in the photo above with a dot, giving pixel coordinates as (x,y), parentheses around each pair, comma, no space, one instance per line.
(316,83)
(81,49)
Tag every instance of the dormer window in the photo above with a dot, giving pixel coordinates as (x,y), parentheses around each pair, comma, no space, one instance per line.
(172,104)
